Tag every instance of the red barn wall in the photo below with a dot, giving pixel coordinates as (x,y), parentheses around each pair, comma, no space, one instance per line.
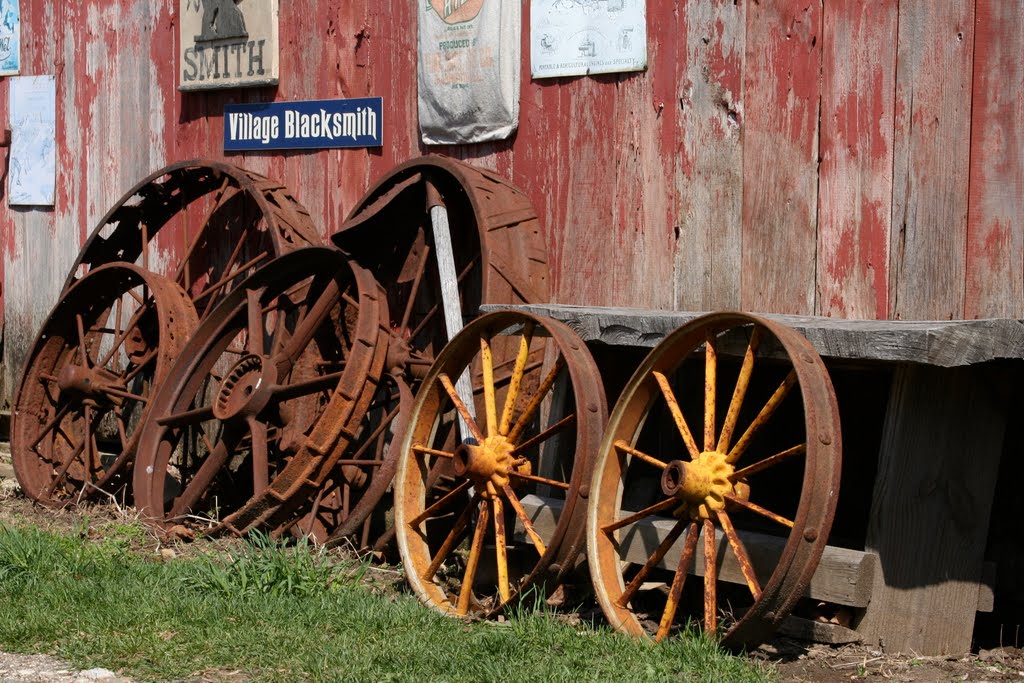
(849,158)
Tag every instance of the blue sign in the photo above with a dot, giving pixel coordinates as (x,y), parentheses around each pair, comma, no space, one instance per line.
(315,124)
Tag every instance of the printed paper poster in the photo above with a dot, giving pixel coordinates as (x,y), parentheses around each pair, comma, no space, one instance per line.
(33,160)
(579,37)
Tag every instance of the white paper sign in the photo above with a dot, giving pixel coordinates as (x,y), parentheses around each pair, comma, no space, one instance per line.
(10,38)
(33,161)
(468,70)
(579,37)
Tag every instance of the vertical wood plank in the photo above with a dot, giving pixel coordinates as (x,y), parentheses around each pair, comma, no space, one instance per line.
(855,200)
(995,218)
(932,152)
(709,159)
(43,247)
(931,503)
(780,156)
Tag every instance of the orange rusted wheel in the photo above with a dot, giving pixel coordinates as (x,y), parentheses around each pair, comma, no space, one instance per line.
(486,507)
(722,460)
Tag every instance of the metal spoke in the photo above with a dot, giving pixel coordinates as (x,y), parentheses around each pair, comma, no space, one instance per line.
(539,480)
(762,417)
(762,465)
(467,417)
(442,502)
(524,519)
(656,557)
(678,581)
(666,504)
(414,291)
(86,361)
(475,551)
(139,367)
(551,431)
(307,326)
(764,512)
(624,447)
(710,578)
(133,322)
(741,554)
(64,469)
(287,392)
(531,408)
(490,406)
(54,421)
(260,458)
(186,417)
(710,389)
(433,310)
(740,392)
(423,450)
(450,540)
(501,552)
(516,380)
(255,341)
(216,458)
(227,279)
(677,414)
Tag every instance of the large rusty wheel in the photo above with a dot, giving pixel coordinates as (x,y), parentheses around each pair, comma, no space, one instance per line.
(88,380)
(498,248)
(498,257)
(265,393)
(480,518)
(744,456)
(204,224)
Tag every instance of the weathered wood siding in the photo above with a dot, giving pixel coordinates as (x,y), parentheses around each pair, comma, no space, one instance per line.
(854,158)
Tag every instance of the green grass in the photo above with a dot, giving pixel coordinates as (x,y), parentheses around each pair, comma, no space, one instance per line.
(293,613)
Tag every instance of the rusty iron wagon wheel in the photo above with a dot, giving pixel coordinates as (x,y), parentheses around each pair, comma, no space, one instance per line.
(204,224)
(89,378)
(508,515)
(756,480)
(265,395)
(498,256)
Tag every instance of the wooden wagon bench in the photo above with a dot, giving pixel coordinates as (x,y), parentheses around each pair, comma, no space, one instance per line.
(921,576)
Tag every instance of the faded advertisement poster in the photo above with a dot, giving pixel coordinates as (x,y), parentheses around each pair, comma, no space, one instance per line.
(579,37)
(10,38)
(227,43)
(468,70)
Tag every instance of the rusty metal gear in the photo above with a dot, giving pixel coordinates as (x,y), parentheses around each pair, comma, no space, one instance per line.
(510,511)
(757,480)
(89,377)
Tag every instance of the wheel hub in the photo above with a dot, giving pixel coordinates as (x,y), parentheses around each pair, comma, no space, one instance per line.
(701,484)
(488,464)
(87,382)
(245,390)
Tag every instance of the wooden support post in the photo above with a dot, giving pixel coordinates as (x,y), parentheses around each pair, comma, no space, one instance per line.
(930,510)
(444,254)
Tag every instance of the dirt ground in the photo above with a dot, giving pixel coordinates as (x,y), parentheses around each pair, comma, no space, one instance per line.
(796,661)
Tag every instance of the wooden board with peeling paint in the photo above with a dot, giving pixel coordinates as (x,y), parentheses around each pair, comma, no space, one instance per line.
(828,157)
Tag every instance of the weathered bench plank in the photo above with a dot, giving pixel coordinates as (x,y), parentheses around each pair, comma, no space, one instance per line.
(943,343)
(843,576)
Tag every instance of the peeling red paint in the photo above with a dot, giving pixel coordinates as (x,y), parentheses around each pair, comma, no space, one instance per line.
(655,188)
